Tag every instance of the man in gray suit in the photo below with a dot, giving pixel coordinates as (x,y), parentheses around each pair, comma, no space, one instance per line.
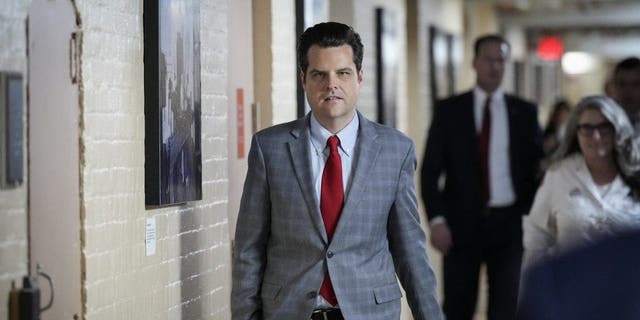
(306,251)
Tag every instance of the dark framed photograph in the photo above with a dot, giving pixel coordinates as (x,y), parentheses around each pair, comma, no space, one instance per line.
(387,67)
(173,158)
(442,66)
(308,14)
(12,102)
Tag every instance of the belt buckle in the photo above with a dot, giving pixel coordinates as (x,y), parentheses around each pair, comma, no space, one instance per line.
(323,312)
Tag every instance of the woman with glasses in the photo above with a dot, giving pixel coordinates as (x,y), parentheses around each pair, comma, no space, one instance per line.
(591,189)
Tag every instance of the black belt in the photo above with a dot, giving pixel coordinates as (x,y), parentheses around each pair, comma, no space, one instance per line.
(327,314)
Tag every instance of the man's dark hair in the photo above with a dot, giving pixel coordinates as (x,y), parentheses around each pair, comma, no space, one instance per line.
(326,35)
(489,38)
(630,63)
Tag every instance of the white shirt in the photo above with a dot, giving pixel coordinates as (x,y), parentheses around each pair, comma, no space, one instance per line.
(320,152)
(500,184)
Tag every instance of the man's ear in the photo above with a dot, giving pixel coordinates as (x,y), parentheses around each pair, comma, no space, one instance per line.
(360,77)
(302,80)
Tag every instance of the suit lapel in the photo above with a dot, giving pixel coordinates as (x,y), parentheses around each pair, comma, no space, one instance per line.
(515,143)
(468,121)
(512,120)
(366,154)
(299,151)
(467,128)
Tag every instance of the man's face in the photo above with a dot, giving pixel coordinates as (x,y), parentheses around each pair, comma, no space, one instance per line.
(332,84)
(489,65)
(626,90)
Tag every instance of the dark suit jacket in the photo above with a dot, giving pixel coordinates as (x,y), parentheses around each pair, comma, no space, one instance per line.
(598,282)
(453,150)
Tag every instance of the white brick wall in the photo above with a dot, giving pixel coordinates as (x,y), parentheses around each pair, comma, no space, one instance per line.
(13,219)
(189,276)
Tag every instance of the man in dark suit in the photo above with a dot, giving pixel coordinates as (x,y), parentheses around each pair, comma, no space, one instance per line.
(626,88)
(328,220)
(597,282)
(486,145)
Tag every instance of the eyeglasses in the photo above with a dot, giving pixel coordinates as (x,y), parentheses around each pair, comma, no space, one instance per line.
(603,128)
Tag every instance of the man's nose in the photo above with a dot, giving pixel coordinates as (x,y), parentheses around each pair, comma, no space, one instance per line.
(332,81)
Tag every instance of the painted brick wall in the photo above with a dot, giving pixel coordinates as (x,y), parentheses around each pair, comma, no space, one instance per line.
(189,276)
(13,219)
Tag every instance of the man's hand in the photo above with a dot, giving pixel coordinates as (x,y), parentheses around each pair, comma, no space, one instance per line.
(441,237)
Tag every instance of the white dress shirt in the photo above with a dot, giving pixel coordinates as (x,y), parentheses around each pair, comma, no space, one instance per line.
(320,152)
(500,184)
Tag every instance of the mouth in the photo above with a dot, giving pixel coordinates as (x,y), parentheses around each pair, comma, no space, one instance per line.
(332,98)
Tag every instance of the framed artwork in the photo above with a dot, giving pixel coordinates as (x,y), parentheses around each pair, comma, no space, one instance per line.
(308,13)
(442,50)
(12,100)
(387,67)
(173,158)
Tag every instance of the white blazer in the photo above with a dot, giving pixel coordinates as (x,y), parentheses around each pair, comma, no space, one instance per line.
(570,210)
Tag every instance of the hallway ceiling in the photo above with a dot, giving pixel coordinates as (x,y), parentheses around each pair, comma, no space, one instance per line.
(551,5)
(608,28)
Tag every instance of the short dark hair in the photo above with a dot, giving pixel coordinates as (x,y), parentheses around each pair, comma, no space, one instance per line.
(489,38)
(329,34)
(630,63)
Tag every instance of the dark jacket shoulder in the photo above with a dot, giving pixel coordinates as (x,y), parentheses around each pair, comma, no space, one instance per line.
(460,100)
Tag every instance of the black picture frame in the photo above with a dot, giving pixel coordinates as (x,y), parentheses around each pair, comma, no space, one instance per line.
(12,100)
(387,65)
(308,13)
(441,64)
(173,158)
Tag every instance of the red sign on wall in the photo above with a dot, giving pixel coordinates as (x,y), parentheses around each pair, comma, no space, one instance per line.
(240,121)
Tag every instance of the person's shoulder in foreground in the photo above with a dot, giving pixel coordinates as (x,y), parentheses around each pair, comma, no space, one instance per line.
(601,281)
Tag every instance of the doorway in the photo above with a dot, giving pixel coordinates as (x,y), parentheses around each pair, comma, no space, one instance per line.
(53,196)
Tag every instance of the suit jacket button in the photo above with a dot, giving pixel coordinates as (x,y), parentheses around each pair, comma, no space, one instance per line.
(329,254)
(311,294)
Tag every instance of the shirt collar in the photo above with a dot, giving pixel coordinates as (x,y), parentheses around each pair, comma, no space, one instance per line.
(481,95)
(347,135)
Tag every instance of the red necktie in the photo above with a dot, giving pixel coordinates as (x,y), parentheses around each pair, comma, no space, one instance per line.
(331,200)
(485,133)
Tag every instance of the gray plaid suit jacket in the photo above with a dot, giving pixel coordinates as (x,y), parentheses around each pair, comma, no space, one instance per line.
(281,250)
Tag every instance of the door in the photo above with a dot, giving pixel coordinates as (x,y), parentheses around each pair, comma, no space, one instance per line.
(53,155)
